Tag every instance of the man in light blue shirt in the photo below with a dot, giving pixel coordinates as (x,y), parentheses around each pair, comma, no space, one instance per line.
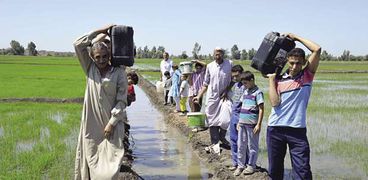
(289,96)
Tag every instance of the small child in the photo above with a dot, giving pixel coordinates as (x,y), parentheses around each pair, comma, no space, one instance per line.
(132,80)
(167,86)
(184,92)
(249,126)
(175,87)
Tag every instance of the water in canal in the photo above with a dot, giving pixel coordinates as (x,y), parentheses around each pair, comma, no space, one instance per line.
(160,151)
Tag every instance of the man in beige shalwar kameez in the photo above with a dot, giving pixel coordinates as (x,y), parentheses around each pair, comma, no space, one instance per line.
(100,144)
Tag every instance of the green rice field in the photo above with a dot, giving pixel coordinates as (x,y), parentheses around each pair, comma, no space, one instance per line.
(37,140)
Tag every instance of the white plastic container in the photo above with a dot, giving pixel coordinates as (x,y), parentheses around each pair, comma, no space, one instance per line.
(186,67)
(160,87)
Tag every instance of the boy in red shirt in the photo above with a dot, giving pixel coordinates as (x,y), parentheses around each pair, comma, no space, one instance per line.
(132,80)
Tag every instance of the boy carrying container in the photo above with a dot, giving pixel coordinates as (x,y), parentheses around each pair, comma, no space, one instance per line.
(249,126)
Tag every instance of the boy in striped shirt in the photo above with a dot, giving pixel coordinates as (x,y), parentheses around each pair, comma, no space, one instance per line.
(249,126)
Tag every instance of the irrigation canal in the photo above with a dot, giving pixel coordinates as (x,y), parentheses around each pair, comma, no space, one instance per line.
(160,151)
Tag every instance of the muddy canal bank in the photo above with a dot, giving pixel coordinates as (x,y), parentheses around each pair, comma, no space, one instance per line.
(198,141)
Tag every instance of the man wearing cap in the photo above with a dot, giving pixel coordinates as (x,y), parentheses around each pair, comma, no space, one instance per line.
(217,78)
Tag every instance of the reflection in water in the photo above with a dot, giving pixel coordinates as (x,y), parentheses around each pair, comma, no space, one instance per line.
(44,134)
(57,117)
(71,140)
(160,151)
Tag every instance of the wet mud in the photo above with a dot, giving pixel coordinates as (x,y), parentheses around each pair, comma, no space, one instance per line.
(126,171)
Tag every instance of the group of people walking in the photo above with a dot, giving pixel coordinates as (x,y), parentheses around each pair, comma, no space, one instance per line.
(233,102)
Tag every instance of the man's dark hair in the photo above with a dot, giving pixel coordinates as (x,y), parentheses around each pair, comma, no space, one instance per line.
(134,77)
(296,52)
(237,68)
(247,75)
(167,73)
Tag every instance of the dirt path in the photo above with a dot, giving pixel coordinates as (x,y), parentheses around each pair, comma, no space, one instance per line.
(218,164)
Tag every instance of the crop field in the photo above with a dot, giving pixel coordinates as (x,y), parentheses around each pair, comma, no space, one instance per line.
(37,140)
(40,77)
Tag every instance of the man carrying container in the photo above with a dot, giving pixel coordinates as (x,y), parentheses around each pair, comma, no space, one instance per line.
(289,96)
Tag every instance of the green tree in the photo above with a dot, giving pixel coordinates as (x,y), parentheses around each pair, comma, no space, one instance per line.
(357,58)
(210,56)
(251,53)
(5,51)
(16,48)
(139,53)
(244,55)
(226,53)
(345,56)
(160,52)
(146,52)
(153,52)
(325,56)
(235,53)
(184,55)
(196,50)
(31,48)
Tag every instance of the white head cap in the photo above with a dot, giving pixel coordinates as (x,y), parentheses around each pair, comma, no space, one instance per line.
(219,49)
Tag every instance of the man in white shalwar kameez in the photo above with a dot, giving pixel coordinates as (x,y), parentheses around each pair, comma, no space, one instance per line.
(218,109)
(100,144)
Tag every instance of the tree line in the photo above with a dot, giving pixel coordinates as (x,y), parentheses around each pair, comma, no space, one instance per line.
(17,49)
(157,53)
(237,54)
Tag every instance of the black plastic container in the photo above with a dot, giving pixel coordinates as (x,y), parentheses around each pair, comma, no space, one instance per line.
(122,45)
(271,55)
